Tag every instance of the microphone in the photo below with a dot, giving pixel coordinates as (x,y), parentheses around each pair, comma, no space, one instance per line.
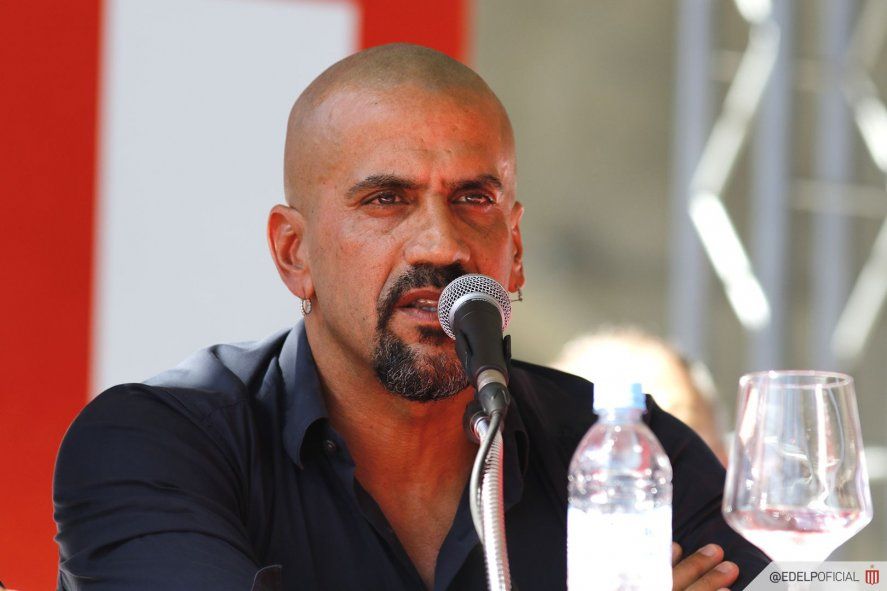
(474,310)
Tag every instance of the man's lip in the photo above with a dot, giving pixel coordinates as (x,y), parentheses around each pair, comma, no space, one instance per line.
(410,297)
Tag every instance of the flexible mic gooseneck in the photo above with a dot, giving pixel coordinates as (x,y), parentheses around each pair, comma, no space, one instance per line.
(474,310)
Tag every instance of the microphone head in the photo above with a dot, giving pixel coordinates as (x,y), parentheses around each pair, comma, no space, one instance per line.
(471,287)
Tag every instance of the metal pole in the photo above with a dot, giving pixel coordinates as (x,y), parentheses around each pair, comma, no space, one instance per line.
(689,277)
(830,255)
(866,300)
(771,186)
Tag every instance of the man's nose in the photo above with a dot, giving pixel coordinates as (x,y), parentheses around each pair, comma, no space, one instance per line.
(435,238)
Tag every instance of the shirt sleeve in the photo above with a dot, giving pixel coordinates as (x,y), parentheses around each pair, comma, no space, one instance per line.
(698,492)
(147,496)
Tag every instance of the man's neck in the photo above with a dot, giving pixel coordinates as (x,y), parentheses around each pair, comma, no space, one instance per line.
(413,458)
(387,434)
(393,437)
(390,437)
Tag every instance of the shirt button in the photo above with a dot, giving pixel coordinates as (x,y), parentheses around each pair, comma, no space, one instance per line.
(330,447)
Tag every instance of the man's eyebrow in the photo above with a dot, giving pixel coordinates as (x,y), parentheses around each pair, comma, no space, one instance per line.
(484,181)
(390,181)
(380,181)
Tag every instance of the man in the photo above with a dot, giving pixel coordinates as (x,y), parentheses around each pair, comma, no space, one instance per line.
(336,449)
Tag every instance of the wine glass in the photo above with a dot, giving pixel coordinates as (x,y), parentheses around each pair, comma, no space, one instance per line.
(797,485)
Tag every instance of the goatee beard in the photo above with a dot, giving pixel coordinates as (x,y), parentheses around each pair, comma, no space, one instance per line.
(403,371)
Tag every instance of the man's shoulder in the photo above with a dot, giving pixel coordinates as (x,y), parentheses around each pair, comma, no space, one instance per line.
(541,384)
(568,400)
(205,403)
(568,384)
(230,369)
(562,402)
(213,381)
(216,377)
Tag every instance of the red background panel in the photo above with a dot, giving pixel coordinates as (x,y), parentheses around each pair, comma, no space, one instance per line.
(439,24)
(49,54)
(49,60)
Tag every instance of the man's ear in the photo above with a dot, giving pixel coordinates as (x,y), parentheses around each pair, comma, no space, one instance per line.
(517,279)
(286,230)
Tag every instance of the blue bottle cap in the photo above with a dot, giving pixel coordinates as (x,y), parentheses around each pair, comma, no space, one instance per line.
(611,396)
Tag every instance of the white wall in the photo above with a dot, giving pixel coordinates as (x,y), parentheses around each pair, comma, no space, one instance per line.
(195,96)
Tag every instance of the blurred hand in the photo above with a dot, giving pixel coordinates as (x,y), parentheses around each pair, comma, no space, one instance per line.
(704,570)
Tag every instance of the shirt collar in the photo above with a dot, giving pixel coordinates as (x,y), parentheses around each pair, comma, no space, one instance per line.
(304,405)
(303,398)
(516,454)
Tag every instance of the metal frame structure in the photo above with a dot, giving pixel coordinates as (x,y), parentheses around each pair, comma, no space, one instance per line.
(761,90)
(866,301)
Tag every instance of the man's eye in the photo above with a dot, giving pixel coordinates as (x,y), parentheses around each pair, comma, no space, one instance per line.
(385,199)
(476,199)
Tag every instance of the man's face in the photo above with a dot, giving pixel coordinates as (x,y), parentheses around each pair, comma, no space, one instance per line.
(411,189)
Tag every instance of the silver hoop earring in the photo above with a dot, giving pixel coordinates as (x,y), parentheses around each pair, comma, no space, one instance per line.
(306,307)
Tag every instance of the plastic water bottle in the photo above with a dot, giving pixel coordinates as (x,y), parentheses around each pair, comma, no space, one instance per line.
(619,517)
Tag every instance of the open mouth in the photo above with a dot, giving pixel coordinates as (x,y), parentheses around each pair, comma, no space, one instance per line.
(424,305)
(420,301)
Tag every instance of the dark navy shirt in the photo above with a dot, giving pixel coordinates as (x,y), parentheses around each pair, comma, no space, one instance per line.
(227,466)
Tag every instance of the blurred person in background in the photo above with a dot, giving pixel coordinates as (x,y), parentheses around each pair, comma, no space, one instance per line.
(681,387)
(331,455)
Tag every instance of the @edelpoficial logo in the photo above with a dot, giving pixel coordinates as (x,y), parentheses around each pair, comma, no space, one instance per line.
(823,576)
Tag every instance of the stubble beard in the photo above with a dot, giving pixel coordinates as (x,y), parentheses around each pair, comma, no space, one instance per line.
(404,371)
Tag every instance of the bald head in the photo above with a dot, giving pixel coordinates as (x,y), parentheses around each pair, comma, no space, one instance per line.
(383,73)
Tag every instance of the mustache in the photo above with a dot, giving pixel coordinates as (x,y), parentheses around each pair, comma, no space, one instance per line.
(417,276)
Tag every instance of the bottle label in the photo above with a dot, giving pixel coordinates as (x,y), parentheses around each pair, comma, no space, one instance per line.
(619,551)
